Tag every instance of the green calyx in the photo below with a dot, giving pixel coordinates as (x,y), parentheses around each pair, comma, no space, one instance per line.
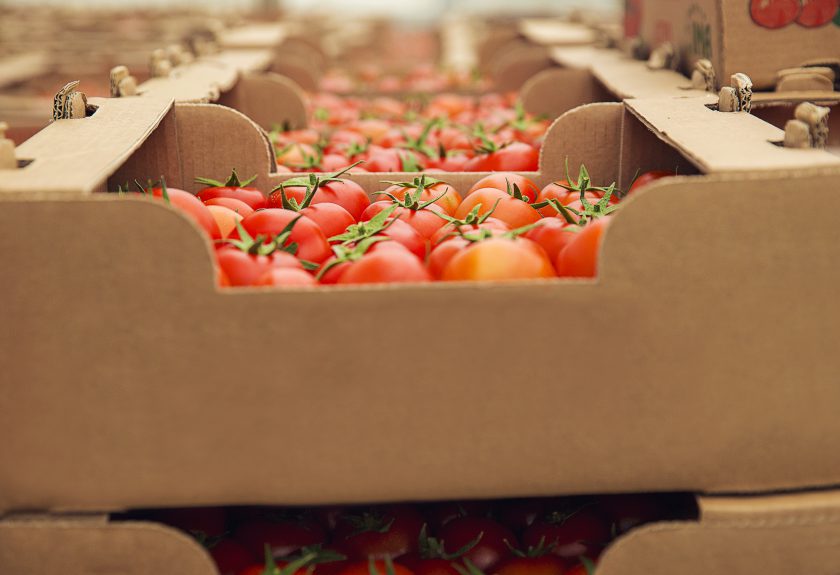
(364,230)
(369,521)
(261,246)
(311,182)
(347,254)
(419,143)
(389,566)
(318,554)
(410,163)
(468,568)
(474,218)
(233,181)
(590,211)
(532,551)
(432,548)
(480,235)
(412,199)
(270,566)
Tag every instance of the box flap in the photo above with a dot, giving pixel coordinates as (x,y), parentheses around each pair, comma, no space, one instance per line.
(723,142)
(555,91)
(268,99)
(775,535)
(695,412)
(36,547)
(245,60)
(79,155)
(555,32)
(268,35)
(199,81)
(21,67)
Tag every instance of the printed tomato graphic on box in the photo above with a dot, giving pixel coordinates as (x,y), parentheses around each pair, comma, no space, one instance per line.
(775,14)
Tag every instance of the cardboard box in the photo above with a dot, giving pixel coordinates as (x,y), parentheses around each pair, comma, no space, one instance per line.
(748,36)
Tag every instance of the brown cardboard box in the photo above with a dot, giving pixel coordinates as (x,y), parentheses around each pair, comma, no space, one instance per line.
(736,35)
(713,304)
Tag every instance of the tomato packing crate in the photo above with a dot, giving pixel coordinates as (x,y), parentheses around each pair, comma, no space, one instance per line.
(719,377)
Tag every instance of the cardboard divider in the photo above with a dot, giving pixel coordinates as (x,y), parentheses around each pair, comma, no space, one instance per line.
(555,91)
(269,100)
(199,81)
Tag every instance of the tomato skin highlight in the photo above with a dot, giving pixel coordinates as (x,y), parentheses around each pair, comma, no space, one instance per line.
(225,218)
(289,277)
(499,259)
(237,206)
(580,256)
(331,218)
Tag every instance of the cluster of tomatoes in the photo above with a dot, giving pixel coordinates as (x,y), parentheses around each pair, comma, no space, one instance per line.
(448,133)
(545,536)
(326,230)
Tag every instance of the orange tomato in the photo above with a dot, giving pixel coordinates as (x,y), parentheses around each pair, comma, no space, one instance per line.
(513,212)
(501,180)
(499,259)
(580,256)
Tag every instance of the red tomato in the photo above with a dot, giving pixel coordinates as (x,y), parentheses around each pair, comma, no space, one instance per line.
(447,197)
(311,241)
(440,256)
(543,565)
(378,568)
(647,178)
(580,257)
(237,206)
(774,14)
(290,277)
(505,180)
(403,233)
(334,162)
(251,196)
(816,13)
(231,556)
(225,218)
(388,264)
(552,234)
(448,231)
(453,163)
(331,218)
(187,203)
(424,221)
(513,212)
(569,534)
(493,546)
(346,193)
(420,566)
(244,269)
(395,530)
(516,157)
(499,259)
(284,537)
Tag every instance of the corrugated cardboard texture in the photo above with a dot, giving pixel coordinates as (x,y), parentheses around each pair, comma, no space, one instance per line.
(778,111)
(555,32)
(82,548)
(78,155)
(720,375)
(723,142)
(269,100)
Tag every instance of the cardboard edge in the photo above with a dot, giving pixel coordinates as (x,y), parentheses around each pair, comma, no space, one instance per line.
(35,547)
(268,99)
(555,91)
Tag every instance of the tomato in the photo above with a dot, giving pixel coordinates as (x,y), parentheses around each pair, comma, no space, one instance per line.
(331,218)
(542,565)
(425,220)
(774,14)
(420,566)
(506,180)
(188,204)
(283,537)
(515,157)
(493,545)
(552,234)
(405,234)
(441,255)
(510,210)
(583,568)
(232,188)
(393,160)
(384,531)
(346,193)
(580,257)
(499,259)
(376,568)
(244,269)
(388,264)
(230,556)
(816,13)
(295,155)
(453,162)
(647,178)
(225,218)
(333,162)
(311,241)
(290,277)
(237,206)
(569,534)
